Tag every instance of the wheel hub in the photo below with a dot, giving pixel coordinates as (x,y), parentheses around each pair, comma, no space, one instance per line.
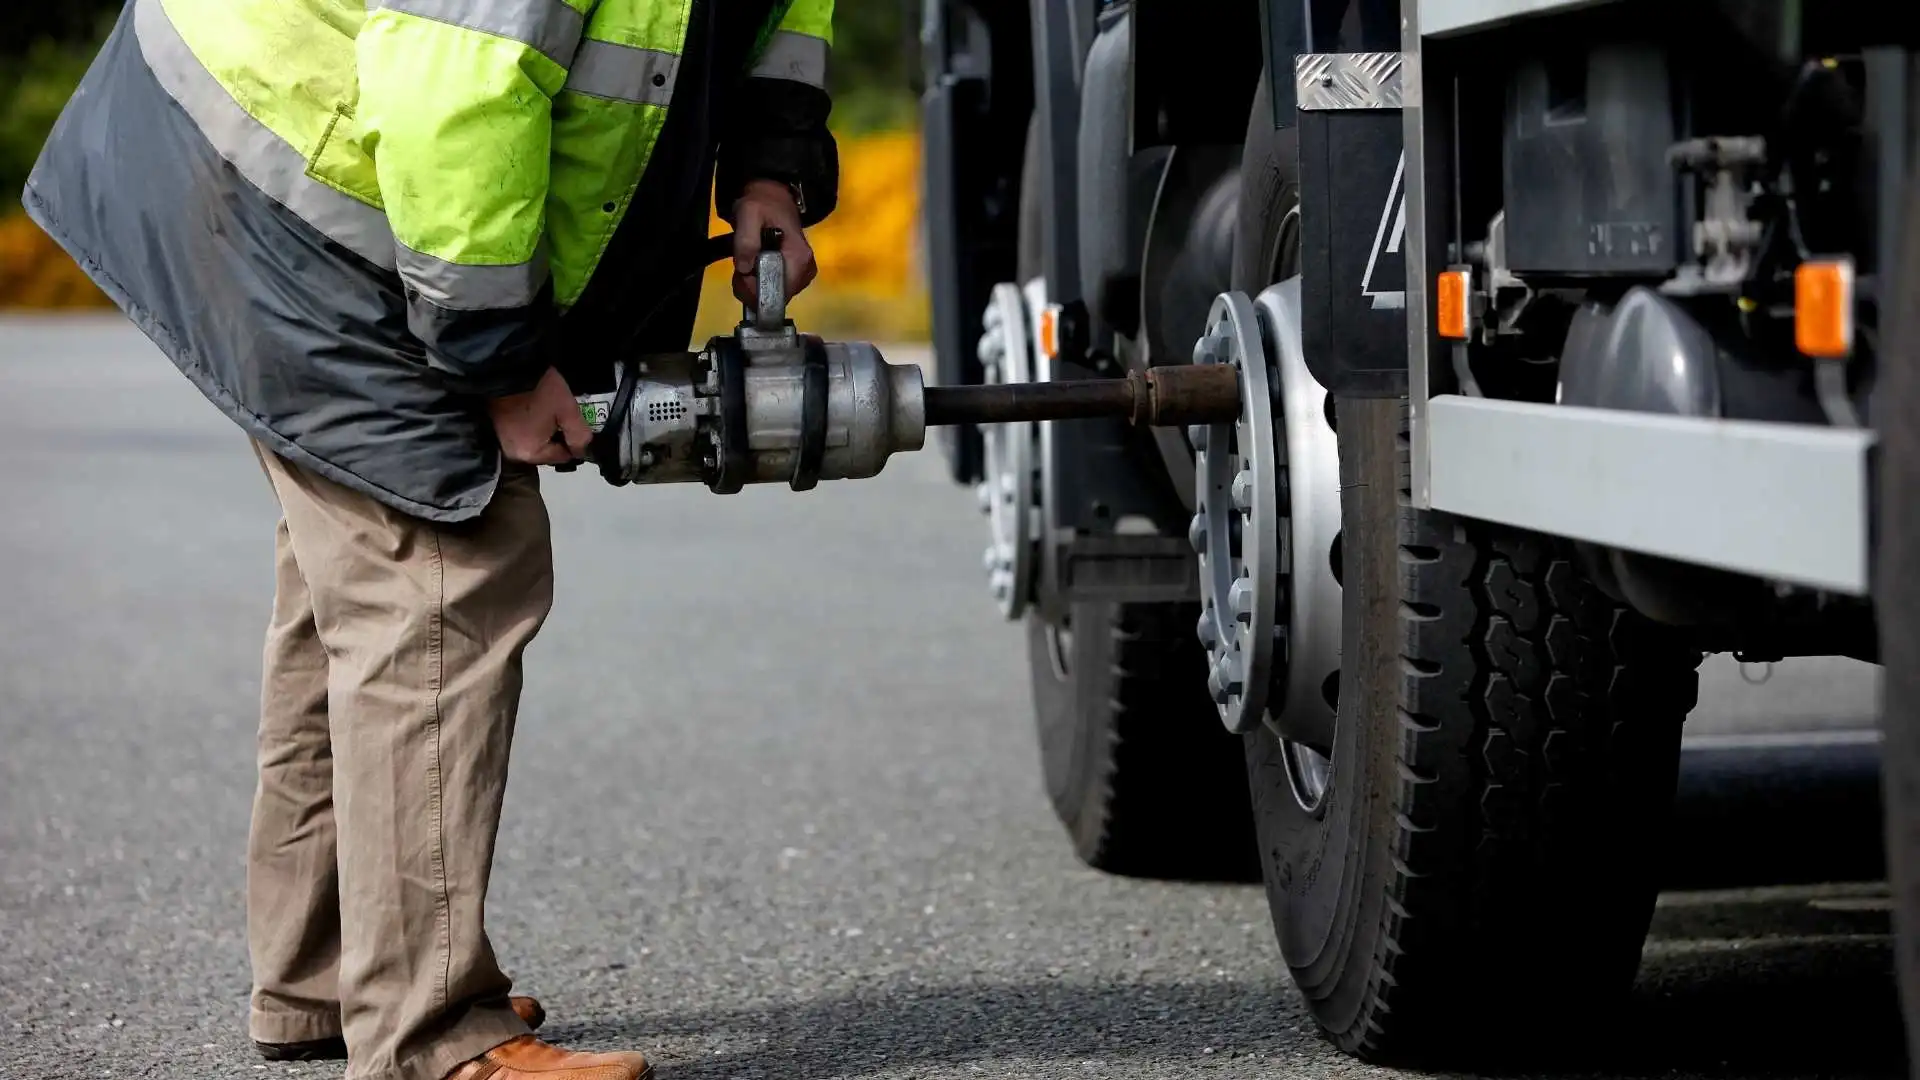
(1236,524)
(1267,536)
(1009,492)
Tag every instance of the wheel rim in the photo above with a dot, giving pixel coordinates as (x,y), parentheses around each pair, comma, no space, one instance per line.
(1309,775)
(1236,527)
(1008,493)
(1059,635)
(1305,706)
(1270,575)
(1282,261)
(1046,572)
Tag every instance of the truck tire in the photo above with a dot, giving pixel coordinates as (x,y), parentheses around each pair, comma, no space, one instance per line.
(1135,764)
(1896,416)
(1481,868)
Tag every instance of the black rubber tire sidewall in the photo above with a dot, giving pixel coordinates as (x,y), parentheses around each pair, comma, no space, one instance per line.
(1269,188)
(1030,236)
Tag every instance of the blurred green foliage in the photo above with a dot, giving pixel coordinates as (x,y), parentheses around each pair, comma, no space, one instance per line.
(874,50)
(45,48)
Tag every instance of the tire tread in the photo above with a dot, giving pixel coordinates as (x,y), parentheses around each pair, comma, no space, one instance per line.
(1163,802)
(1539,724)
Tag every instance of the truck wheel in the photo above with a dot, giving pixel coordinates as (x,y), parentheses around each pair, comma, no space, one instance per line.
(1477,856)
(1506,750)
(1143,778)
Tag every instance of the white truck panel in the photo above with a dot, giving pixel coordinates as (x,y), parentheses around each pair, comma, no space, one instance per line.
(1786,502)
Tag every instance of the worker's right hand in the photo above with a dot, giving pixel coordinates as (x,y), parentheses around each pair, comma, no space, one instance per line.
(526,423)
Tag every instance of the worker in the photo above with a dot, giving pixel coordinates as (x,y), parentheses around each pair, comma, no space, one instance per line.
(380,236)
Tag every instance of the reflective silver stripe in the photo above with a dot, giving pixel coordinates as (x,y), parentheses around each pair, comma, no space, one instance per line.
(473,288)
(266,160)
(603,69)
(799,57)
(550,26)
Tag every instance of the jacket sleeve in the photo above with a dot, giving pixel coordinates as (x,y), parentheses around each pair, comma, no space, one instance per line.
(455,106)
(778,128)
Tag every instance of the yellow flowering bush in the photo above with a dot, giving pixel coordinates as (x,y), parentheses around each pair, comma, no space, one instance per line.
(870,285)
(35,273)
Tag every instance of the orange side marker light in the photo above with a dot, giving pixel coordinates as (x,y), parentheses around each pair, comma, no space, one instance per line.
(1823,307)
(1050,331)
(1450,303)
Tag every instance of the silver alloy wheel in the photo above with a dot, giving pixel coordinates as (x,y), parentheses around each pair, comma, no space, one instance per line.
(1305,702)
(1046,571)
(1267,534)
(1009,493)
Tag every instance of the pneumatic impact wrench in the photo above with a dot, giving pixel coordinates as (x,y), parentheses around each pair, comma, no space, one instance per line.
(768,404)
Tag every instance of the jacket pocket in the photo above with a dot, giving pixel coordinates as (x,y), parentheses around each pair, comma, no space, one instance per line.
(340,163)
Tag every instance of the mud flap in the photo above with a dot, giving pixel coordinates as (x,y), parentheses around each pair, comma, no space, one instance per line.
(1353,222)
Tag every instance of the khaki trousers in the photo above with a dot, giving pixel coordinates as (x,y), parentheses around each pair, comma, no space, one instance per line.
(392,682)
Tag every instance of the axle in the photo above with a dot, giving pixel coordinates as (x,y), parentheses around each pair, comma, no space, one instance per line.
(1174,396)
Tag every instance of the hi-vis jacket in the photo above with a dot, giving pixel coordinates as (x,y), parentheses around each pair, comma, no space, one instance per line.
(348,221)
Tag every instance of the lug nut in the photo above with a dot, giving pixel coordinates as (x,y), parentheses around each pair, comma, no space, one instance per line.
(1197,435)
(1243,489)
(1240,599)
(1209,634)
(984,495)
(1224,680)
(1211,349)
(1197,532)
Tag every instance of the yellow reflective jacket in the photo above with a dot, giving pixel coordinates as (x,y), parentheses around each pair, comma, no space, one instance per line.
(343,219)
(480,147)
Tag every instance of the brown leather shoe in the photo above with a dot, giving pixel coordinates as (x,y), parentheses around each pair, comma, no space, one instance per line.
(527,1009)
(527,1058)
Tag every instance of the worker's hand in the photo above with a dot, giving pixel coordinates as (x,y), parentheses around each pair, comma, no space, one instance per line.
(526,423)
(768,204)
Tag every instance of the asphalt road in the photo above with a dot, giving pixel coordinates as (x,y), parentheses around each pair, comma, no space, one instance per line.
(774,811)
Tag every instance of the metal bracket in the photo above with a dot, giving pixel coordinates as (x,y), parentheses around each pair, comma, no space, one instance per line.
(1129,567)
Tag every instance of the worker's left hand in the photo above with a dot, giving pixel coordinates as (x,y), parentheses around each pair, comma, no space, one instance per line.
(768,204)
